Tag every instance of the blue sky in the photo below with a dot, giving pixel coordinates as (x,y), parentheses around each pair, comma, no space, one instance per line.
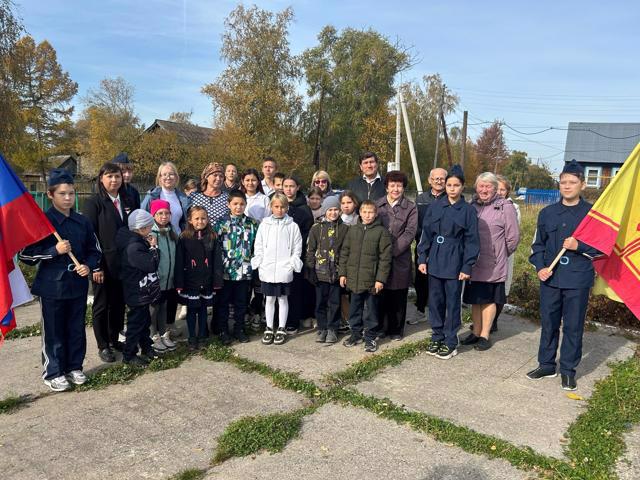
(531,64)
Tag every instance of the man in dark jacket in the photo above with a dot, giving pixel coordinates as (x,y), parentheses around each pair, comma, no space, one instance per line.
(139,256)
(369,186)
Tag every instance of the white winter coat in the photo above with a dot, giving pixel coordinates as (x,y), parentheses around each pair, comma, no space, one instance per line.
(277,250)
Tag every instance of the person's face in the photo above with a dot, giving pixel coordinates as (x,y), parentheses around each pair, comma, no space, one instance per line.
(64,196)
(395,190)
(144,231)
(112,182)
(367,214)
(332,214)
(502,190)
(347,206)
(230,173)
(290,188)
(454,188)
(250,183)
(189,191)
(485,190)
(278,209)
(277,184)
(321,183)
(369,167)
(168,178)
(237,206)
(162,217)
(437,180)
(315,201)
(199,220)
(214,180)
(127,174)
(268,169)
(571,186)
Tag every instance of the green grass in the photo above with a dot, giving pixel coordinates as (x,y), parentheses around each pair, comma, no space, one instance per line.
(12,403)
(190,474)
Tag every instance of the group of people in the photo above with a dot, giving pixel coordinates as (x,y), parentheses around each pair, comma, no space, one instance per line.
(254,246)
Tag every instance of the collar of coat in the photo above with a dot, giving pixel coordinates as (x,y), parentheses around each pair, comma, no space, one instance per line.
(402,203)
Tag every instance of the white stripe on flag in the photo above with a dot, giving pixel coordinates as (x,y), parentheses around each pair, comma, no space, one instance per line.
(19,288)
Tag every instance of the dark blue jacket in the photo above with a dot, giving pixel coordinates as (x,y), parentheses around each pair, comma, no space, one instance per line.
(133,194)
(365,191)
(423,201)
(450,242)
(154,194)
(55,278)
(138,268)
(555,223)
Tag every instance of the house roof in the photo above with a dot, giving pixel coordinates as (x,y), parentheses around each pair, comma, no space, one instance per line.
(186,132)
(603,143)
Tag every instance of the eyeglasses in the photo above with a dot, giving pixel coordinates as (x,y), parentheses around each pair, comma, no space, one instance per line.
(438,179)
(321,181)
(167,175)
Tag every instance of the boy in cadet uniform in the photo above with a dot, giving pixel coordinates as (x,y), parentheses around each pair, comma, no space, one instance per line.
(448,249)
(564,292)
(62,286)
(122,160)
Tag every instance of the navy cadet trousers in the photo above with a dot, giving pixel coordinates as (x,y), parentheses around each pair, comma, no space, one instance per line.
(570,306)
(444,310)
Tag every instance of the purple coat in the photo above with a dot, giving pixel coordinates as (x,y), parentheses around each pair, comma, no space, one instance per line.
(402,222)
(499,238)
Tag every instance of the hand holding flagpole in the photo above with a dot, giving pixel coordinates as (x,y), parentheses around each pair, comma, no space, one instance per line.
(556,260)
(79,269)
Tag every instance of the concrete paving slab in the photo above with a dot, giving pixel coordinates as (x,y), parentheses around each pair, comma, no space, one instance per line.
(154,427)
(488,391)
(313,361)
(28,314)
(347,442)
(628,467)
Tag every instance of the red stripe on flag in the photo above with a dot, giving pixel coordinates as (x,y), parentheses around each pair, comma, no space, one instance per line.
(22,223)
(601,216)
(597,234)
(622,280)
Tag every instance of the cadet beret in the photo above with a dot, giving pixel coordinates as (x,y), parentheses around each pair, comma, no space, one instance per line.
(574,168)
(58,176)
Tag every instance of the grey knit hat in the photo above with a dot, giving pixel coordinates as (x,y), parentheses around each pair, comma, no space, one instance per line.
(332,201)
(139,219)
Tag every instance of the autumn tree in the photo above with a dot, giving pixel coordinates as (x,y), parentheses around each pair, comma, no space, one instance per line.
(491,148)
(181,117)
(44,92)
(524,173)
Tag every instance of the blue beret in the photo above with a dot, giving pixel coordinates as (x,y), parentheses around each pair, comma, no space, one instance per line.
(122,157)
(573,167)
(58,176)
(456,171)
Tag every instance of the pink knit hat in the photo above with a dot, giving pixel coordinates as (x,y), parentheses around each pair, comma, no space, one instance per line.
(158,205)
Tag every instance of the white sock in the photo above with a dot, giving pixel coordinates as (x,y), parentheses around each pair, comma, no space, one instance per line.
(283,310)
(269,310)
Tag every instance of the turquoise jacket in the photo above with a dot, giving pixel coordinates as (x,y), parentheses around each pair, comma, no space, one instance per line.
(167,240)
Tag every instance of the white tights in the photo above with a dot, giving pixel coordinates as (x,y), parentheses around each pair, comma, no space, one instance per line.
(283,310)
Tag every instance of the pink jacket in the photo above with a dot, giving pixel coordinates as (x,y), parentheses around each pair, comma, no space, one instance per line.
(499,238)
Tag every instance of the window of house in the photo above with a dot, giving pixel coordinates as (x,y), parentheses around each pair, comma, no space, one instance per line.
(593,175)
(614,171)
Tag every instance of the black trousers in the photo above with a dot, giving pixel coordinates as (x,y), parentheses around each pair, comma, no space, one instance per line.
(236,293)
(393,311)
(359,323)
(138,332)
(172,305)
(297,300)
(328,305)
(421,284)
(108,311)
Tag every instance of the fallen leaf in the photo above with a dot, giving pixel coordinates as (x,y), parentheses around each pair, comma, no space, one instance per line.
(574,396)
(493,447)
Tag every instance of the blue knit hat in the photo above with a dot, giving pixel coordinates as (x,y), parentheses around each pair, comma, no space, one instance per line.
(574,168)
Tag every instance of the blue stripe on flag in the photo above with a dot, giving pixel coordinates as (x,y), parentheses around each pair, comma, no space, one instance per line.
(10,185)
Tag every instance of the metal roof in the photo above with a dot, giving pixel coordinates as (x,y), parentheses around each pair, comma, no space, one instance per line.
(186,132)
(603,143)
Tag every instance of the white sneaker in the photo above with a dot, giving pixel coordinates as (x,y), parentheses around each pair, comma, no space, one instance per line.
(58,384)
(158,344)
(77,377)
(166,339)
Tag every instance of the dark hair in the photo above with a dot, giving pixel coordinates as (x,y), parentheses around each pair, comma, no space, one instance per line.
(254,172)
(53,188)
(235,193)
(352,196)
(292,177)
(279,175)
(579,175)
(190,232)
(191,184)
(107,168)
(369,203)
(396,176)
(230,163)
(315,191)
(366,155)
(270,159)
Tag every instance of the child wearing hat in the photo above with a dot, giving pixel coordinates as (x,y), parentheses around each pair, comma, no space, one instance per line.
(139,259)
(448,248)
(63,286)
(165,309)
(564,292)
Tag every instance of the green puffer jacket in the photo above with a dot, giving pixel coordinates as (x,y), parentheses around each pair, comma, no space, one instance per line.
(323,248)
(365,257)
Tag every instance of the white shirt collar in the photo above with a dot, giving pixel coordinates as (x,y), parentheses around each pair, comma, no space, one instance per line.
(371,181)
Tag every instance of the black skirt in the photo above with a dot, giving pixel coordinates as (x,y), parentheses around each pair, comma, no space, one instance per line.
(479,293)
(275,289)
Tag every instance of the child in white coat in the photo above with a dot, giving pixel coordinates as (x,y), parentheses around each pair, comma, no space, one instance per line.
(277,251)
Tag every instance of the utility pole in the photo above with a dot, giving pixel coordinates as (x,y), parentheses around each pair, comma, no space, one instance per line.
(446,139)
(316,151)
(435,158)
(412,152)
(465,115)
(398,132)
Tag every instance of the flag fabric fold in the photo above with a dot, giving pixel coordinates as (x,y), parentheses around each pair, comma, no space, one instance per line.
(613,227)
(21,223)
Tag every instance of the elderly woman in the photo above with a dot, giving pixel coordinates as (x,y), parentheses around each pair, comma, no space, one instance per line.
(167,181)
(400,217)
(499,238)
(211,196)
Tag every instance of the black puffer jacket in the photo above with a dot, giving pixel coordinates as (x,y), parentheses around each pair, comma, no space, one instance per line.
(199,267)
(138,268)
(301,214)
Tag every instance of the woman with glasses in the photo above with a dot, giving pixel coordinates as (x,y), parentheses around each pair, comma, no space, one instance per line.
(166,188)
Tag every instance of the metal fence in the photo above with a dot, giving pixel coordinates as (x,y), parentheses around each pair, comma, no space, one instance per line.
(541,196)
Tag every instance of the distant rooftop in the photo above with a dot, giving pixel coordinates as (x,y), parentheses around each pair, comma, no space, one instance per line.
(186,132)
(603,143)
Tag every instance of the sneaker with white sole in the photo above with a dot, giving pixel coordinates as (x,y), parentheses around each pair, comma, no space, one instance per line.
(280,336)
(445,352)
(166,339)
(77,377)
(158,344)
(58,384)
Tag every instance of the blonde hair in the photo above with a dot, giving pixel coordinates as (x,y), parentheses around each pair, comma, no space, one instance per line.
(173,167)
(321,175)
(280,197)
(507,183)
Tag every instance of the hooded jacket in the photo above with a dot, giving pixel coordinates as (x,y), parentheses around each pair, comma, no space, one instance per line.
(323,248)
(277,250)
(237,236)
(138,268)
(198,265)
(167,240)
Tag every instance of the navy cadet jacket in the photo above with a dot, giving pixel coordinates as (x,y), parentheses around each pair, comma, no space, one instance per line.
(555,223)
(55,278)
(450,242)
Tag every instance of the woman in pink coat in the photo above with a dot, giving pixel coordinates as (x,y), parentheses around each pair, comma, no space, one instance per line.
(499,238)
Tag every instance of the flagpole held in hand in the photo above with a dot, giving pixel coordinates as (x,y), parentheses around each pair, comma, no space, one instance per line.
(71,255)
(556,260)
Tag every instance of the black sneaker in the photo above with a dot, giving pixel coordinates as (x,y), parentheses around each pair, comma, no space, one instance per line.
(107,355)
(445,352)
(136,361)
(193,345)
(433,347)
(370,346)
(149,355)
(332,336)
(396,337)
(242,337)
(225,339)
(290,330)
(568,382)
(267,337)
(541,372)
(280,336)
(118,346)
(321,336)
(351,341)
(482,344)
(470,339)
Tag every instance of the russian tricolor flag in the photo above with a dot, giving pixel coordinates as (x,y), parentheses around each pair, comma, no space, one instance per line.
(21,223)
